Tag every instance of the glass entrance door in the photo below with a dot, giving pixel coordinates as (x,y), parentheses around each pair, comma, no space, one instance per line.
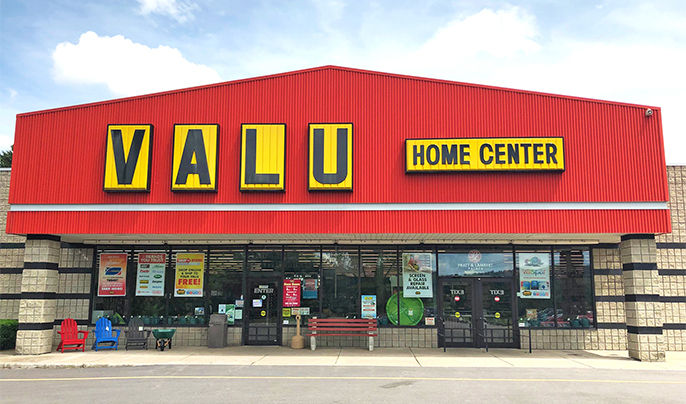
(497,323)
(457,327)
(477,312)
(263,314)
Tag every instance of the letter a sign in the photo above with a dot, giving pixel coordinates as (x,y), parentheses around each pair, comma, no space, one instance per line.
(127,160)
(194,166)
(263,157)
(331,157)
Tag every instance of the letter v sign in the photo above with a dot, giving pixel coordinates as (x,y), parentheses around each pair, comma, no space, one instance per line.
(127,163)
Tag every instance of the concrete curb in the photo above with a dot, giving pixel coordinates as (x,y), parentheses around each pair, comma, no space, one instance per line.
(62,366)
(458,358)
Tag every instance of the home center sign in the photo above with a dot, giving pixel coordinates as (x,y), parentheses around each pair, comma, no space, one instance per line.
(484,154)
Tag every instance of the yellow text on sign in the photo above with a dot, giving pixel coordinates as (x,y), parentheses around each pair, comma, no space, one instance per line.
(194,163)
(330,157)
(127,162)
(481,154)
(263,157)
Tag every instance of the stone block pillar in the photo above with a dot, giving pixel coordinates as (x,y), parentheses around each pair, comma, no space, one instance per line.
(38,304)
(642,292)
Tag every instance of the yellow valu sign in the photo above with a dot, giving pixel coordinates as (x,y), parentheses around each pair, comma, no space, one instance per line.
(485,154)
(330,157)
(127,161)
(194,163)
(263,157)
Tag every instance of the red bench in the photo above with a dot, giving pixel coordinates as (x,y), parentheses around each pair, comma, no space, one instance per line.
(324,327)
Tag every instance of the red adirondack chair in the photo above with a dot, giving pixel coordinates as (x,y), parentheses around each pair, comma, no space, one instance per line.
(72,337)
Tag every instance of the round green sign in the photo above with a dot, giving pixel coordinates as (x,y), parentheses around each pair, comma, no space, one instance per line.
(411,310)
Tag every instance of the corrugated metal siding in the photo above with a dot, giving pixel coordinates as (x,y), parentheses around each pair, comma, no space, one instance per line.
(612,151)
(413,222)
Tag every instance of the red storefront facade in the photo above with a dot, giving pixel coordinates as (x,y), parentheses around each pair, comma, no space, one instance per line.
(607,197)
(613,153)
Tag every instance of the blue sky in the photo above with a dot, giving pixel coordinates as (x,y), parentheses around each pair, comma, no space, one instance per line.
(57,53)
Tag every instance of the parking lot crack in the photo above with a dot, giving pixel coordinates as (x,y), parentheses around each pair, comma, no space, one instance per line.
(415,358)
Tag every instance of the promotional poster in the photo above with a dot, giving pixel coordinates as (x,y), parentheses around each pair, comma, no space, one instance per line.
(188,280)
(368,306)
(418,275)
(534,275)
(150,274)
(112,275)
(291,293)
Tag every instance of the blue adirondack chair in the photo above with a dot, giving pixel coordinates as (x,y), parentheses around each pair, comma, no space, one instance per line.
(103,335)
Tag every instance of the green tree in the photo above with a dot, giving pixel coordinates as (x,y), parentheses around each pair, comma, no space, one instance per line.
(6,158)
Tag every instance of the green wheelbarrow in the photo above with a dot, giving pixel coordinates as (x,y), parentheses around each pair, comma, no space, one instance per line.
(163,338)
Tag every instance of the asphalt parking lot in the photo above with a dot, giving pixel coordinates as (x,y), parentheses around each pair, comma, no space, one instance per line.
(342,384)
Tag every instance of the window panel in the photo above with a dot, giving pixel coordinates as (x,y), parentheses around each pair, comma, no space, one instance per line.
(407,304)
(116,309)
(483,262)
(151,309)
(535,312)
(187,310)
(573,288)
(341,283)
(303,264)
(378,277)
(264,260)
(225,278)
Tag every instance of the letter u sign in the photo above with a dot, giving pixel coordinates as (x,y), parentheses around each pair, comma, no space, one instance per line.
(331,157)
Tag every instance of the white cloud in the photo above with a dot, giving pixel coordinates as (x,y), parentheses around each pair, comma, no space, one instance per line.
(505,48)
(180,10)
(476,48)
(126,67)
(501,33)
(647,19)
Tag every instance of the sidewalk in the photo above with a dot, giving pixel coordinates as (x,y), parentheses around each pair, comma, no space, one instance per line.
(401,357)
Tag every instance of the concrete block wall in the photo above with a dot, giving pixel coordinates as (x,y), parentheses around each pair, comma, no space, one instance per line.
(389,337)
(676,179)
(671,263)
(38,302)
(234,336)
(571,339)
(74,283)
(609,287)
(11,257)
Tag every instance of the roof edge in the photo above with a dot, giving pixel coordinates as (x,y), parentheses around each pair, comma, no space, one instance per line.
(331,67)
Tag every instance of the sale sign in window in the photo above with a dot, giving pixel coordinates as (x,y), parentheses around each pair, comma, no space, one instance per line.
(188,279)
